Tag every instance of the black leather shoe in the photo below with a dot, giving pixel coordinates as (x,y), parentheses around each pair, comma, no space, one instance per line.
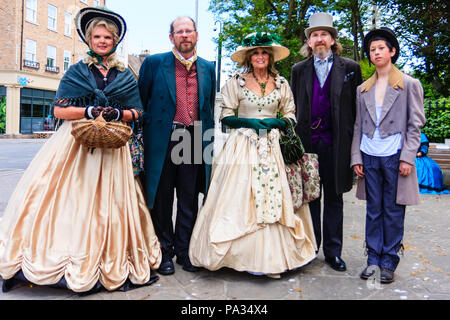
(386,276)
(368,272)
(187,266)
(166,268)
(8,284)
(336,263)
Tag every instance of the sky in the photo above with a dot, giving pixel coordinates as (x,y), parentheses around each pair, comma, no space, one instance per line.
(148,23)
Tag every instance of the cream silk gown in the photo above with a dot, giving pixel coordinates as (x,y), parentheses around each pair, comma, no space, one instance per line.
(247,221)
(80,215)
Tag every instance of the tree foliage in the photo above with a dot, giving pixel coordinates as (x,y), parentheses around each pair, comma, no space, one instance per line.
(423,29)
(437,127)
(287,18)
(421,26)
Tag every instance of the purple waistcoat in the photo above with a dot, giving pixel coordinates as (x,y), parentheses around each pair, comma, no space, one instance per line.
(321,112)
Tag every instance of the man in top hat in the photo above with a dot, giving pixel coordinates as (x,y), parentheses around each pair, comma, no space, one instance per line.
(177,89)
(324,87)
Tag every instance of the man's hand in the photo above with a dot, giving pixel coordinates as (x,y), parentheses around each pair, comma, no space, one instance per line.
(405,168)
(359,170)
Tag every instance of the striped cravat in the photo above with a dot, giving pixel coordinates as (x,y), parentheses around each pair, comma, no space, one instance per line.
(321,67)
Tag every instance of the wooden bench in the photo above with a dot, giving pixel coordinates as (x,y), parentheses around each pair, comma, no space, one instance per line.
(441,156)
(42,134)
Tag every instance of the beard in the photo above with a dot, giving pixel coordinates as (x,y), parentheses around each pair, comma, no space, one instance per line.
(185,47)
(321,52)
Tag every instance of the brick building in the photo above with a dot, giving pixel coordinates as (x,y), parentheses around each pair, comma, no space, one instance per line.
(38,43)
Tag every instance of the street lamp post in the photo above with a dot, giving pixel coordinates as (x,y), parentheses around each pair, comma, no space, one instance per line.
(219,54)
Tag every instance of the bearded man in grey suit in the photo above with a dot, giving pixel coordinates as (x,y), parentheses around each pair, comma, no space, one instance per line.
(324,88)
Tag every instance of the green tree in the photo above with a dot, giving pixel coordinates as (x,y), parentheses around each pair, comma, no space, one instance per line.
(437,127)
(367,69)
(353,17)
(422,26)
(287,18)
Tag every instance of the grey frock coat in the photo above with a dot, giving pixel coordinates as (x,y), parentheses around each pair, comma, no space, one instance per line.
(402,112)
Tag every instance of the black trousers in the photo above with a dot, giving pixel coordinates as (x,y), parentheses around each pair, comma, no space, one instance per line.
(185,178)
(333,205)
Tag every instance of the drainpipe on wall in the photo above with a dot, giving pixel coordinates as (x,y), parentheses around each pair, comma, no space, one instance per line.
(21,36)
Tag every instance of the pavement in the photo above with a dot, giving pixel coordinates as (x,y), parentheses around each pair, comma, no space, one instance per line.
(423,272)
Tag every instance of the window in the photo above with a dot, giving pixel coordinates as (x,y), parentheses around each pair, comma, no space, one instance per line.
(35,110)
(67,56)
(96,3)
(52,17)
(30,50)
(51,56)
(84,1)
(31,10)
(68,24)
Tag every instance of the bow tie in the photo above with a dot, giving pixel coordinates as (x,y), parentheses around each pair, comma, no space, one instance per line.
(330,58)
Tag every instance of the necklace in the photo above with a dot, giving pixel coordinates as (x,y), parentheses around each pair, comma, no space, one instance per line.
(261,84)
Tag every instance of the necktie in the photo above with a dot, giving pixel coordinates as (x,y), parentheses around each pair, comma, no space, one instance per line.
(321,66)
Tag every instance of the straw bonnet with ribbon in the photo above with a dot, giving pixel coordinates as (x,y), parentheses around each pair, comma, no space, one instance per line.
(321,21)
(383,32)
(260,40)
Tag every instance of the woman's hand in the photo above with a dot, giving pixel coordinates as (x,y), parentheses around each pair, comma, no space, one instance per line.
(275,123)
(405,168)
(359,170)
(112,114)
(92,112)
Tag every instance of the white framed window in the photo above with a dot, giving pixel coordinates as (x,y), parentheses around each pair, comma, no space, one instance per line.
(52,17)
(67,58)
(31,11)
(96,3)
(30,50)
(68,24)
(51,56)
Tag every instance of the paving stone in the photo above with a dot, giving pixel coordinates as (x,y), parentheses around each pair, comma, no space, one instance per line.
(423,272)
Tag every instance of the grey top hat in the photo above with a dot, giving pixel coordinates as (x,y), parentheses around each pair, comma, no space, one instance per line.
(321,21)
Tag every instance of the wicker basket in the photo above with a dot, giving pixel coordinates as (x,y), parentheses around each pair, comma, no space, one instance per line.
(100,134)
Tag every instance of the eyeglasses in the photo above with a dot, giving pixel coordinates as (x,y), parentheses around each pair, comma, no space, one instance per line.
(181,32)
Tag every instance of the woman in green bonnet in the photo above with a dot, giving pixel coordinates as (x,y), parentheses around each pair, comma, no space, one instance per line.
(248,222)
(78,217)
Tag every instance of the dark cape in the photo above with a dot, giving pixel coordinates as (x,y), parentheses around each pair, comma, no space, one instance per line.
(78,88)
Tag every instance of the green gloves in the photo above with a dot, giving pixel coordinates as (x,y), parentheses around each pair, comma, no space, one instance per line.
(275,123)
(235,122)
(257,124)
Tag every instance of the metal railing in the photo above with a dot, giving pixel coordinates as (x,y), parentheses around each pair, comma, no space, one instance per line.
(31,64)
(53,69)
